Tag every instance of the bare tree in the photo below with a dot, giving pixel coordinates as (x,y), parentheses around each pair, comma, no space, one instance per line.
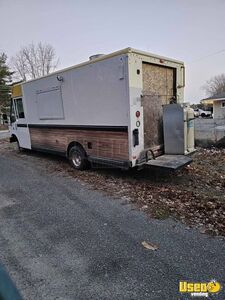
(34,61)
(216,85)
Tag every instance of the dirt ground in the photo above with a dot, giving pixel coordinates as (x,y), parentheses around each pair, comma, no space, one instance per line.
(195,195)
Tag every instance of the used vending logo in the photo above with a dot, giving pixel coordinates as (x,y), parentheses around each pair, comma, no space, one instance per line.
(199,289)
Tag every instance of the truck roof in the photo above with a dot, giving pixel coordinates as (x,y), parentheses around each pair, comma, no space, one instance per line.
(105,56)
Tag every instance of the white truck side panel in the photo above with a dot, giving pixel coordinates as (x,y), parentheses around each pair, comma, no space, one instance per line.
(94,94)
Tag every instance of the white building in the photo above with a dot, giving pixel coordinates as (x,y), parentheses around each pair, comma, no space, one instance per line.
(218,102)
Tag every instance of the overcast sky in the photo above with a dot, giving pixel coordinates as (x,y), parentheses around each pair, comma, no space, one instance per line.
(188,30)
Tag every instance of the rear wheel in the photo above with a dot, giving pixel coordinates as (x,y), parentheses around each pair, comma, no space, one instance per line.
(78,158)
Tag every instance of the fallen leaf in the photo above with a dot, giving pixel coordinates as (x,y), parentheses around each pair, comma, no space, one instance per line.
(144,207)
(149,246)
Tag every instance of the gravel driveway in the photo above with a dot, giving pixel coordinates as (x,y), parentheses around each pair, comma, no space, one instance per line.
(60,239)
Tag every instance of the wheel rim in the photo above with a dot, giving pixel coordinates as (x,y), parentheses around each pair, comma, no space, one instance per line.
(76,159)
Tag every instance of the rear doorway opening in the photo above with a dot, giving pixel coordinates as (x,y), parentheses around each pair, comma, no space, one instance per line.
(159,88)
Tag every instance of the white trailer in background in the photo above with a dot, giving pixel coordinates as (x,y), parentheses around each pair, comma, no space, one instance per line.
(107,110)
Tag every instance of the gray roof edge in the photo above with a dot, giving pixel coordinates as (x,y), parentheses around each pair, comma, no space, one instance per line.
(220,96)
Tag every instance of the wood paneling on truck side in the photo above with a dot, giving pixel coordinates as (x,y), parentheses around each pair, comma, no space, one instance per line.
(97,143)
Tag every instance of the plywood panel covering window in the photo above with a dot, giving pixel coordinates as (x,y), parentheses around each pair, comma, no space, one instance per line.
(158,89)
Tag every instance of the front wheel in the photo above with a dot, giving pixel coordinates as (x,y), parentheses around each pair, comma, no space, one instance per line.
(78,158)
(17,147)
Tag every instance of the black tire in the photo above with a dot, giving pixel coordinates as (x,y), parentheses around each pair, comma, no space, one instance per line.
(203,115)
(78,158)
(18,148)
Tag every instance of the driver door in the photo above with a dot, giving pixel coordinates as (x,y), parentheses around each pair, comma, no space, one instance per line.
(19,125)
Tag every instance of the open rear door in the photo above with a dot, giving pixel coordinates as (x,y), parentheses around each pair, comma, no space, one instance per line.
(159,88)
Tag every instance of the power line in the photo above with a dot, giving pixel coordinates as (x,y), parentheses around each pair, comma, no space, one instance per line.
(209,55)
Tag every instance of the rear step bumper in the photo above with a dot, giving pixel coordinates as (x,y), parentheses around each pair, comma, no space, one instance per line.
(169,162)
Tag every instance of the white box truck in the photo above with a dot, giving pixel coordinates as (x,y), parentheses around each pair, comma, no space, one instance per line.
(108,110)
